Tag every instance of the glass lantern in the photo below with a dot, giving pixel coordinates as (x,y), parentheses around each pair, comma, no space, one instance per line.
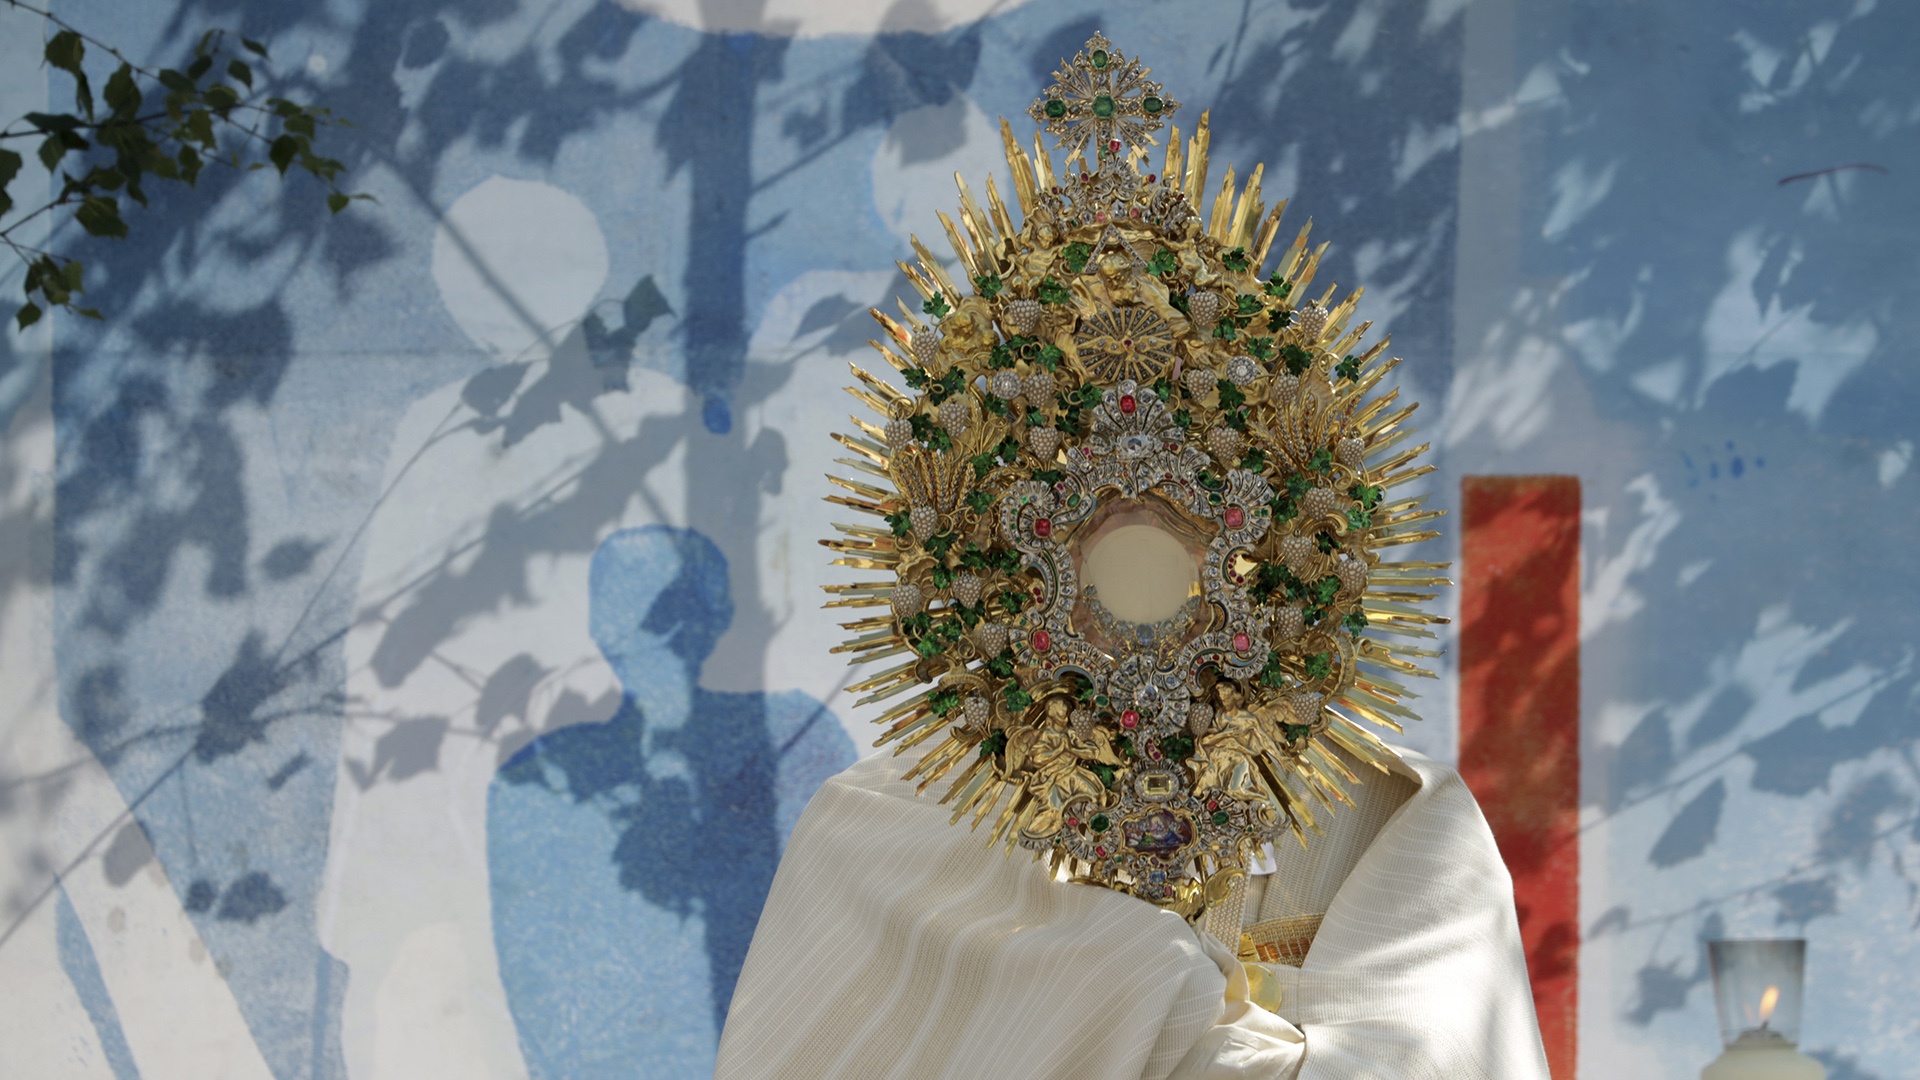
(1756,985)
(1756,988)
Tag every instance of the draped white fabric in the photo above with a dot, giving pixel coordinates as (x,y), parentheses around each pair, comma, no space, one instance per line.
(894,945)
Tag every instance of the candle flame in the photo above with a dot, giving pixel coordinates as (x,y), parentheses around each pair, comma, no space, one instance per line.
(1767,1001)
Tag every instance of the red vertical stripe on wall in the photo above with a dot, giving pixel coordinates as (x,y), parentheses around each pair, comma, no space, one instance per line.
(1520,718)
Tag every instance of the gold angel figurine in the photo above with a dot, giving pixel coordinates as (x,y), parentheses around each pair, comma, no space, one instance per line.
(1228,751)
(1053,763)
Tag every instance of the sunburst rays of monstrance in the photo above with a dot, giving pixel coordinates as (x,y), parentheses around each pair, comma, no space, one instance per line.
(1119,348)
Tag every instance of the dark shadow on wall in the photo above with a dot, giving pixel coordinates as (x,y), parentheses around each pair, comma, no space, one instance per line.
(696,789)
(1348,102)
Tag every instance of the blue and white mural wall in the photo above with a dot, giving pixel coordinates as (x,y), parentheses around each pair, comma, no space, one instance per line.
(410,653)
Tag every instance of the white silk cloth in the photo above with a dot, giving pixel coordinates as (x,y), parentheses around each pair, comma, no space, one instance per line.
(895,946)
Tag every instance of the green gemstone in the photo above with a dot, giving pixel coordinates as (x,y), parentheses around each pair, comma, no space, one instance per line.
(1220,817)
(1151,105)
(1099,59)
(1099,823)
(1056,108)
(1103,106)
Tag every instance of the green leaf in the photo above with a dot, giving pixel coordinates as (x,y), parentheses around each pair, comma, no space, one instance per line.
(83,94)
(100,216)
(1235,260)
(935,305)
(52,149)
(254,47)
(1077,255)
(70,275)
(10,163)
(1052,292)
(222,99)
(284,149)
(988,285)
(65,50)
(27,315)
(240,71)
(173,80)
(1017,702)
(199,67)
(122,94)
(199,129)
(337,202)
(1162,263)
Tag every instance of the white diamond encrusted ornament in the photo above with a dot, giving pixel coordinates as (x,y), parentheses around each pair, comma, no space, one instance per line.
(1114,343)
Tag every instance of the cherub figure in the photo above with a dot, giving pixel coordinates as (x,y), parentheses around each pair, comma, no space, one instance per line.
(1052,761)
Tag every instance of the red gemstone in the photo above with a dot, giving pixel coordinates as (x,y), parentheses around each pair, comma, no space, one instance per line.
(1154,753)
(1213,804)
(1241,643)
(1084,177)
(1236,517)
(1042,641)
(1127,404)
(1114,146)
(1135,213)
(1100,851)
(1043,528)
(1101,217)
(1073,823)
(1129,719)
(1150,178)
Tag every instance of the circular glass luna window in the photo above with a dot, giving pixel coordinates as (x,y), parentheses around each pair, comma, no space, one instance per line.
(1139,567)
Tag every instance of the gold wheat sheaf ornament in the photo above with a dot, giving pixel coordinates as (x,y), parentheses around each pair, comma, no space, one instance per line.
(1119,357)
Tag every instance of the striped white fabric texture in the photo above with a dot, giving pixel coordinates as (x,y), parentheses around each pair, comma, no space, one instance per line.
(894,945)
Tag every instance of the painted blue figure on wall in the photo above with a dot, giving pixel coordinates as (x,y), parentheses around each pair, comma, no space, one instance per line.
(630,858)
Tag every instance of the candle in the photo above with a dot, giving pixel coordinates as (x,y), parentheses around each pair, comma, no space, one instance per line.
(1756,989)
(1761,1054)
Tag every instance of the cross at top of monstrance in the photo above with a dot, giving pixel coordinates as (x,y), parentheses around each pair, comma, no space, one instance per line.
(1125,557)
